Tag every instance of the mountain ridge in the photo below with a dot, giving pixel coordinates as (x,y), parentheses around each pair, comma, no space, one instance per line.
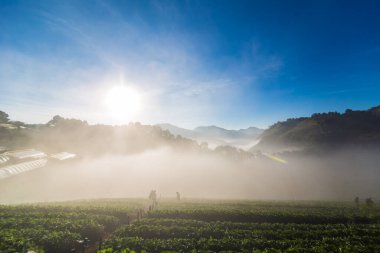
(216,136)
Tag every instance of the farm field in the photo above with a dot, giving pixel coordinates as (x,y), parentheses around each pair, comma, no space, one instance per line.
(190,226)
(57,227)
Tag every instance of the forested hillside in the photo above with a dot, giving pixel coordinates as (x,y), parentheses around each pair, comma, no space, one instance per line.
(77,136)
(351,128)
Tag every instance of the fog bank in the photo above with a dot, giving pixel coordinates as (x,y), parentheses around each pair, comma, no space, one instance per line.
(339,177)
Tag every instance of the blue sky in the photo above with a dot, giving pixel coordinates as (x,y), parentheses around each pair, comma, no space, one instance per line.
(229,63)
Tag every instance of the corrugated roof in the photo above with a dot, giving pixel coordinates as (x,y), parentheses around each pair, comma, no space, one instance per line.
(63,156)
(3,159)
(15,169)
(26,153)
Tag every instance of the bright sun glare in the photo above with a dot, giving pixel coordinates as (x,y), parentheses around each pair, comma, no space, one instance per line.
(123,102)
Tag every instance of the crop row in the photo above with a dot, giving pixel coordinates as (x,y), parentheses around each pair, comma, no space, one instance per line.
(248,225)
(242,231)
(155,245)
(267,217)
(52,231)
(177,235)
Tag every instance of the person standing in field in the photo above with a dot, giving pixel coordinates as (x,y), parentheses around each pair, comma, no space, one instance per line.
(178,196)
(150,195)
(357,201)
(369,202)
(153,198)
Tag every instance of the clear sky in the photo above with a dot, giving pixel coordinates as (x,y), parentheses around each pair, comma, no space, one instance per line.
(228,63)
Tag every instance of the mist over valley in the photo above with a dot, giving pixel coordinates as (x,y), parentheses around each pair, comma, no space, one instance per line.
(128,161)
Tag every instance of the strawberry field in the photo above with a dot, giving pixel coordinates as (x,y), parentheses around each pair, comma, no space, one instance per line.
(116,226)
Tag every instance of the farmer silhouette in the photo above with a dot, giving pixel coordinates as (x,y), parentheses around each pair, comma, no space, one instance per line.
(153,198)
(369,201)
(357,201)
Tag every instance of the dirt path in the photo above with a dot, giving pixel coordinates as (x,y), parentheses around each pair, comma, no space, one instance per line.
(94,247)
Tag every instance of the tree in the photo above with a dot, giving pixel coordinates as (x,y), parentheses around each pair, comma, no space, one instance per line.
(3,117)
(56,120)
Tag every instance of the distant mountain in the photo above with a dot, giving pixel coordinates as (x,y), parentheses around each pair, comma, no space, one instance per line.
(177,130)
(324,130)
(216,136)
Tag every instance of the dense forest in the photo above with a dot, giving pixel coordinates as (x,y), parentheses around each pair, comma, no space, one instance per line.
(325,130)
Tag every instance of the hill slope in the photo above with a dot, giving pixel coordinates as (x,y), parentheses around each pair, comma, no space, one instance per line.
(352,128)
(77,136)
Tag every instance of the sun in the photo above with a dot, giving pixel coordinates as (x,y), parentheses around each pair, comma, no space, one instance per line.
(123,102)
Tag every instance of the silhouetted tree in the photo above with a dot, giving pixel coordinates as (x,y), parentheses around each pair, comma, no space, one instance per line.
(4,117)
